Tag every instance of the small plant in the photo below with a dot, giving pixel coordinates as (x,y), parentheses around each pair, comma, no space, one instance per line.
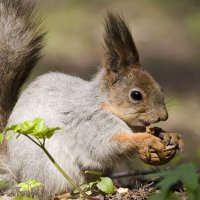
(37,132)
(28,186)
(185,173)
(99,185)
(105,185)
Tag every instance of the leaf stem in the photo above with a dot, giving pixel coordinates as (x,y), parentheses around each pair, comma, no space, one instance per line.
(31,139)
(44,140)
(64,174)
(59,168)
(30,191)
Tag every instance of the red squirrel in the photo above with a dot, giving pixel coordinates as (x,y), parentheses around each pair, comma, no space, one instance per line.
(99,117)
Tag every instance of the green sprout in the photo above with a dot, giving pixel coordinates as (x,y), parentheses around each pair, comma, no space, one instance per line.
(37,132)
(99,185)
(29,185)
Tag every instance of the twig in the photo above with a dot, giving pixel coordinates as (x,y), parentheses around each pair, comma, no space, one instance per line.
(132,173)
(138,173)
(6,166)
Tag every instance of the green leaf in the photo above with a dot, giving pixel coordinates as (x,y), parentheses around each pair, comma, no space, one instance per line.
(26,127)
(2,135)
(4,185)
(94,173)
(23,187)
(186,173)
(28,185)
(39,125)
(166,184)
(34,183)
(35,128)
(171,196)
(16,128)
(50,132)
(155,197)
(106,185)
(9,128)
(10,136)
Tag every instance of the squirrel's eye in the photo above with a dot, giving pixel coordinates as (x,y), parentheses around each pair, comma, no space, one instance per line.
(136,95)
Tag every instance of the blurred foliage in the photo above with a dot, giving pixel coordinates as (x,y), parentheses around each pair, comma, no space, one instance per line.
(186,174)
(4,185)
(193,24)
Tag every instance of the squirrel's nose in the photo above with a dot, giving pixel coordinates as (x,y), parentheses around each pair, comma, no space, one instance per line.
(163,115)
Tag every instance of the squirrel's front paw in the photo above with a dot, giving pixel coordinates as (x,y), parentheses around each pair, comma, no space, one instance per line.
(172,139)
(153,151)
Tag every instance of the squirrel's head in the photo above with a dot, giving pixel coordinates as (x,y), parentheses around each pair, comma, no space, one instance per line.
(133,95)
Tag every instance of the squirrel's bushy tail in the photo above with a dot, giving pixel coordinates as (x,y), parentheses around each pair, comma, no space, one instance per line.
(21,40)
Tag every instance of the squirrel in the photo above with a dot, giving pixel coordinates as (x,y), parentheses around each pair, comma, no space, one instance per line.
(100,117)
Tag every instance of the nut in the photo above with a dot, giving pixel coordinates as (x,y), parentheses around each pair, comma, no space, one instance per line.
(154,159)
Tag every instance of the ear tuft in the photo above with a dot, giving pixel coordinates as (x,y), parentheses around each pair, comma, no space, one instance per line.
(119,45)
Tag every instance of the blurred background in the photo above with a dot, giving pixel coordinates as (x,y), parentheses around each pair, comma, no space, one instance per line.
(167,35)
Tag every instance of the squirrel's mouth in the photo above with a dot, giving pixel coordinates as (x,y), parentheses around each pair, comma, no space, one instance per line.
(144,123)
(139,123)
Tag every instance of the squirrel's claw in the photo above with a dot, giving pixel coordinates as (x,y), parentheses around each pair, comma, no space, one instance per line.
(153,151)
(172,139)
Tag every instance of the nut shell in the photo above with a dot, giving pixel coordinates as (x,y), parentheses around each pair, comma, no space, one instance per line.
(155,159)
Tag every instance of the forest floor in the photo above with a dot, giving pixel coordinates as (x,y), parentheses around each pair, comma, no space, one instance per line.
(121,194)
(140,190)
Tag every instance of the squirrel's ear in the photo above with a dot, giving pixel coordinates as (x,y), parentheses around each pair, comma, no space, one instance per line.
(119,45)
